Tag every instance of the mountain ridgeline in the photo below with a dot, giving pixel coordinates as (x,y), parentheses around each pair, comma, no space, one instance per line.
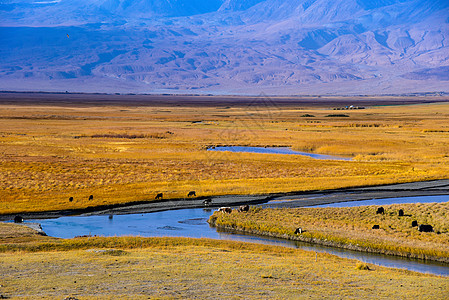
(225,46)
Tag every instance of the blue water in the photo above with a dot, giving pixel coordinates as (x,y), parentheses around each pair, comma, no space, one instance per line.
(388,201)
(193,223)
(275,150)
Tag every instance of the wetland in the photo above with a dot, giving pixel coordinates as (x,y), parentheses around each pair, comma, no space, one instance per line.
(58,150)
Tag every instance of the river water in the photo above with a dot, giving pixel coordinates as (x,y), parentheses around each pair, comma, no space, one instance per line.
(193,223)
(275,150)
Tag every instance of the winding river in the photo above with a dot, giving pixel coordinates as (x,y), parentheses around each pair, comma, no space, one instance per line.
(193,223)
(274,150)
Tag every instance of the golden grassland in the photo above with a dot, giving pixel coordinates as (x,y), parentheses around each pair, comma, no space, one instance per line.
(120,153)
(351,227)
(181,268)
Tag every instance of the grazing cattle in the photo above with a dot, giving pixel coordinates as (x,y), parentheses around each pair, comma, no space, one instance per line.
(425,228)
(18,219)
(243,208)
(191,193)
(91,197)
(414,223)
(380,210)
(71,199)
(401,213)
(159,196)
(207,202)
(376,226)
(225,210)
(298,230)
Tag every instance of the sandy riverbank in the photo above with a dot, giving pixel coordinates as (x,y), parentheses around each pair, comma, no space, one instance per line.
(300,199)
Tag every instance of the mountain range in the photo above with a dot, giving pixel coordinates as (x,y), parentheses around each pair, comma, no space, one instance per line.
(276,47)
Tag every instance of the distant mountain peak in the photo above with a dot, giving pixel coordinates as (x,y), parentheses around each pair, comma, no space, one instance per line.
(225,46)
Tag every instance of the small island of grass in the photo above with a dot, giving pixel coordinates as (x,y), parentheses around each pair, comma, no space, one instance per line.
(352,227)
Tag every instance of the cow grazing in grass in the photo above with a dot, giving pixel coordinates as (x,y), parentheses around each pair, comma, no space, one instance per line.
(380,210)
(225,210)
(298,230)
(207,202)
(91,197)
(71,199)
(401,213)
(159,196)
(376,226)
(18,219)
(191,193)
(425,228)
(243,208)
(414,223)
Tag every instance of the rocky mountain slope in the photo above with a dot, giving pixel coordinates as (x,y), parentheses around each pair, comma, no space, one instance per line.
(225,46)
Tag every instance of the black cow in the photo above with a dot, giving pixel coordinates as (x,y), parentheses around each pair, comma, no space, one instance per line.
(18,219)
(91,197)
(71,199)
(380,210)
(376,227)
(425,228)
(207,202)
(191,193)
(110,217)
(298,230)
(159,196)
(401,213)
(414,223)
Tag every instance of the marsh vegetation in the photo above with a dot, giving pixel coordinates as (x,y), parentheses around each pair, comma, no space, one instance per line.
(121,153)
(359,228)
(138,268)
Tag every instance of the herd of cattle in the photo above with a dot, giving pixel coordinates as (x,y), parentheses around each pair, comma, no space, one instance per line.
(421,227)
(245,208)
(228,210)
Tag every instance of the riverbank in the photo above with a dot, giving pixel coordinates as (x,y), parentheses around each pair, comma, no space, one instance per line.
(175,268)
(353,228)
(279,200)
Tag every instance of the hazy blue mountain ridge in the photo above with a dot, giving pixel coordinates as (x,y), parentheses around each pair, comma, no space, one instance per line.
(225,46)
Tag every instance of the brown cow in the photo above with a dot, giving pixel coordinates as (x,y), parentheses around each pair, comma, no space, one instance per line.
(159,196)
(225,210)
(191,193)
(91,197)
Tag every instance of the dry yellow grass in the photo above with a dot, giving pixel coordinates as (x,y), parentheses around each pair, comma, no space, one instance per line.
(351,227)
(125,153)
(179,268)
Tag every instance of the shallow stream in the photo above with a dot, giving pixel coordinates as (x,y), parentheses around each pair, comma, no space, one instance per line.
(274,150)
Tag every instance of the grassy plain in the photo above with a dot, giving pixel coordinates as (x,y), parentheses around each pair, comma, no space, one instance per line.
(351,227)
(180,268)
(119,153)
